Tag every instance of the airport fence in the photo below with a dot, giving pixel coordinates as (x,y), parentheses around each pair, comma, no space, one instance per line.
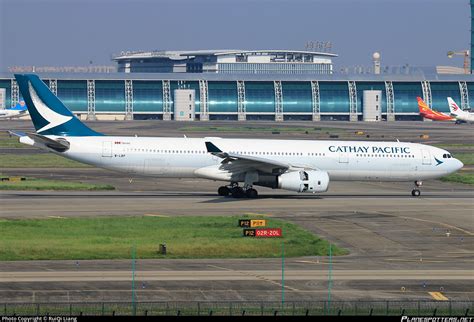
(313,308)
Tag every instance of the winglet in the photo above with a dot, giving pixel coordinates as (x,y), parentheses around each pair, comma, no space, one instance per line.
(211,148)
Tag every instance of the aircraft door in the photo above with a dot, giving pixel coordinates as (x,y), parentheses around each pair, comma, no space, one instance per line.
(426,157)
(107,149)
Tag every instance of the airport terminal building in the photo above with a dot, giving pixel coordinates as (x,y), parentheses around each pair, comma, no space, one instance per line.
(245,85)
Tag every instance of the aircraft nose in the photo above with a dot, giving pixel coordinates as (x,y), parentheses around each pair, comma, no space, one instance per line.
(459,165)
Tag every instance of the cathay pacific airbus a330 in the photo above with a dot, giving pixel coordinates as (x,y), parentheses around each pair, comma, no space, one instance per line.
(294,165)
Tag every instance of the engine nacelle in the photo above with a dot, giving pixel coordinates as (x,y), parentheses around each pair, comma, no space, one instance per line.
(304,181)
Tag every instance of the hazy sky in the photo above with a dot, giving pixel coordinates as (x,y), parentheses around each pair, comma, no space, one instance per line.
(73,32)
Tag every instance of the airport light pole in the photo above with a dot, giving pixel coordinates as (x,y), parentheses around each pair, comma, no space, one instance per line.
(329,279)
(134,304)
(282,274)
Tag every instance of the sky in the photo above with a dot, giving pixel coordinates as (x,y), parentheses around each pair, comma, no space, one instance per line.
(74,33)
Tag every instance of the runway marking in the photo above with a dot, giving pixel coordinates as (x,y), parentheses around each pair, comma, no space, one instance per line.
(309,262)
(438,296)
(56,217)
(442,224)
(467,232)
(256,276)
(155,215)
(226,274)
(414,260)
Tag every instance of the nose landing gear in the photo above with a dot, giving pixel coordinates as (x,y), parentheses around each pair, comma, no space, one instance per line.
(416,192)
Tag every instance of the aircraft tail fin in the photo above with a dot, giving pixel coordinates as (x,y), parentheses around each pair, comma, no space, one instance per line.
(453,107)
(422,106)
(49,115)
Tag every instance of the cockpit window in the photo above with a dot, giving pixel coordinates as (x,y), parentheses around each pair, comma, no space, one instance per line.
(447,156)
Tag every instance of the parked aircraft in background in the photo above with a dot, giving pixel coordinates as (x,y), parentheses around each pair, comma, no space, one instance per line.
(294,165)
(16,111)
(428,113)
(458,113)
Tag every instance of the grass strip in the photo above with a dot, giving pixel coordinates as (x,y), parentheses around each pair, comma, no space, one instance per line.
(46,184)
(38,160)
(460,177)
(185,237)
(466,158)
(10,142)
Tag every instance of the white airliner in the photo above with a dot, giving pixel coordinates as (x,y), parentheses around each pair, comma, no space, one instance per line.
(294,165)
(16,111)
(458,113)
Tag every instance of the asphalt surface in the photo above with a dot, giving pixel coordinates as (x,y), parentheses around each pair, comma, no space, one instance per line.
(400,247)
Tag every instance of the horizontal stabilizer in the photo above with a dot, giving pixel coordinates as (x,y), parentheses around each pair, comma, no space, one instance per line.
(15,133)
(59,145)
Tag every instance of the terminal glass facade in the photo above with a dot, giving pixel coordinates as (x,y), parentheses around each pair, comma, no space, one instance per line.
(260,97)
(439,93)
(73,93)
(334,97)
(274,68)
(109,96)
(405,95)
(297,97)
(148,96)
(470,90)
(8,91)
(222,97)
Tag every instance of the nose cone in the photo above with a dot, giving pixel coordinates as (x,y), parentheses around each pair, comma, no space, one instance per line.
(458,165)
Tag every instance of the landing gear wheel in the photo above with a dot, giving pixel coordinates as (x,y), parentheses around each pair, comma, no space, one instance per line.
(237,192)
(223,191)
(415,193)
(251,193)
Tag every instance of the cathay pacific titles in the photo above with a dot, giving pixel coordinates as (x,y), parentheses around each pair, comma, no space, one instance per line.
(373,149)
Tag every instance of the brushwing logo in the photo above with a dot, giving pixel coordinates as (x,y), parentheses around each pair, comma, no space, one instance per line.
(48,114)
(438,161)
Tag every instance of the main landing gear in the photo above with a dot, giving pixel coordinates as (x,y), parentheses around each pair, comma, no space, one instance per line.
(416,192)
(237,192)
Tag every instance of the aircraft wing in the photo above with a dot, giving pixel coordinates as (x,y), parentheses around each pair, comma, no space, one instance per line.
(236,163)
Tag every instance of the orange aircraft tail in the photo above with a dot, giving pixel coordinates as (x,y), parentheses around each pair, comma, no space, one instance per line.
(422,107)
(428,113)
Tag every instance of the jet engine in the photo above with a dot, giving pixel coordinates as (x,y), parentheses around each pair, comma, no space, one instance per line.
(304,181)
